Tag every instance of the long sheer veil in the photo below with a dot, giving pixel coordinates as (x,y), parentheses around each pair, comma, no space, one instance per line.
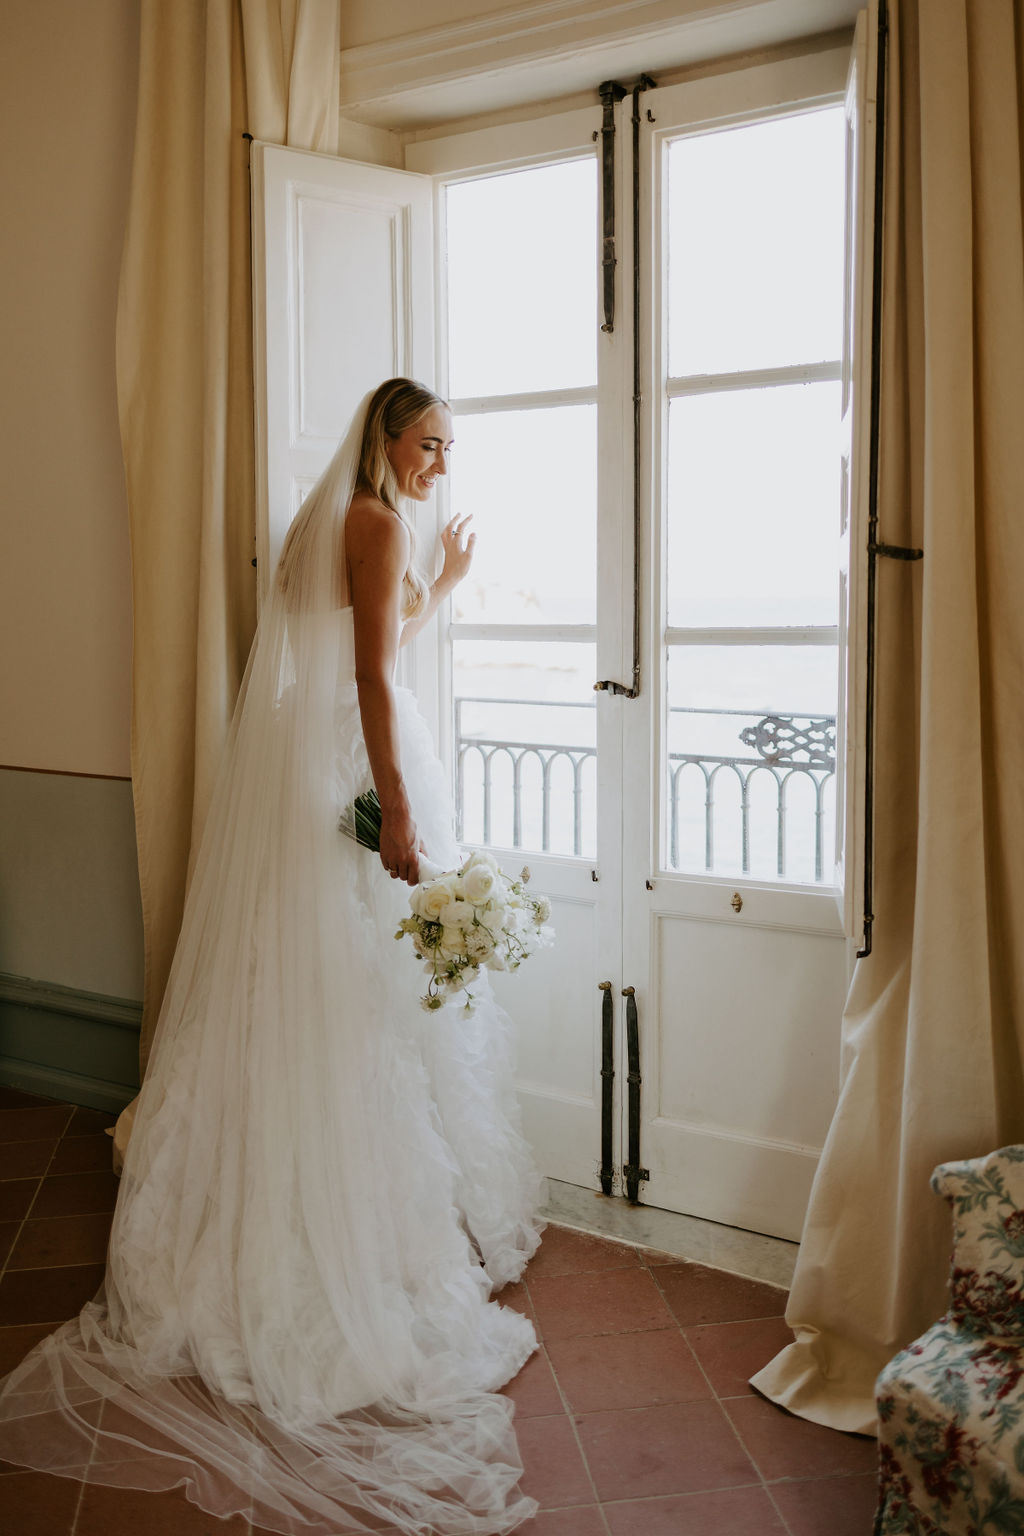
(262,1336)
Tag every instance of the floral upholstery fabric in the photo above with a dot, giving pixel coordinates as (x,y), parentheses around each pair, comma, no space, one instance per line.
(951,1405)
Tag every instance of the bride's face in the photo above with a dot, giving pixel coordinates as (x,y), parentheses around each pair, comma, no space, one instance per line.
(418,455)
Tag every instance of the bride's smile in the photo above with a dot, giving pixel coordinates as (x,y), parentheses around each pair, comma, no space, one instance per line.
(419,454)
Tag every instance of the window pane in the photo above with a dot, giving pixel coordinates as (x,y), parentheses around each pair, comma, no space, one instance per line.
(525,738)
(753,507)
(530,480)
(756,245)
(522,280)
(750,774)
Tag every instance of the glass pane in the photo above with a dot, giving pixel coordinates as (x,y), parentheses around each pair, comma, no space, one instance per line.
(755,245)
(530,480)
(526,745)
(522,280)
(753,507)
(750,773)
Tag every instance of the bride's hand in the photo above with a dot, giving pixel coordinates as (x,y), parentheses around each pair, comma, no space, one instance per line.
(458,546)
(398,847)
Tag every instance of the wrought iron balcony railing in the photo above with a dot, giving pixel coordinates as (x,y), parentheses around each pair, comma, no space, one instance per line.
(786,747)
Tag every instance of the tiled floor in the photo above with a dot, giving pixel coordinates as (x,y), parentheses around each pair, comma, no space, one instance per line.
(634,1417)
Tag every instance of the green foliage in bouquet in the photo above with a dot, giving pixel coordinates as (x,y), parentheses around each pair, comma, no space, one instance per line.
(362,820)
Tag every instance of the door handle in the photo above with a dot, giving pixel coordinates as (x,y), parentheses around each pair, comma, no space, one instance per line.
(607,1087)
(634,1174)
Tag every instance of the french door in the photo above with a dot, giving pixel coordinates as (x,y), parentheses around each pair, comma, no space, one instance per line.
(679,1043)
(691,838)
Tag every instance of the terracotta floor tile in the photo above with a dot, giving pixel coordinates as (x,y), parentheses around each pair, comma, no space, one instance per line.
(555,1473)
(565,1522)
(616,1301)
(565,1252)
(131,1512)
(22,1159)
(35,1504)
(657,1445)
(534,1390)
(728,1512)
(517,1297)
(17,1098)
(698,1294)
(59,1240)
(627,1370)
(16,1197)
(76,1154)
(16,1341)
(47,1295)
(33,1124)
(842,1506)
(680,1448)
(74,1194)
(8,1232)
(783,1445)
(86,1122)
(732,1352)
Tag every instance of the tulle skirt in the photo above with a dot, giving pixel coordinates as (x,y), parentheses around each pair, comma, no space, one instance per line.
(324,1186)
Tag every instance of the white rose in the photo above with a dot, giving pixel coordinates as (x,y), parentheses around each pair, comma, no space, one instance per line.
(457,914)
(429,901)
(480,859)
(478,883)
(493,918)
(541,909)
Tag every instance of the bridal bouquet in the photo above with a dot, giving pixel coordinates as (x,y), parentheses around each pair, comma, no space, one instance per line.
(463,920)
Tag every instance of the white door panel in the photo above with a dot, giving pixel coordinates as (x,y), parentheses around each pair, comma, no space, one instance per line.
(740,1067)
(557,1010)
(734,1052)
(343,298)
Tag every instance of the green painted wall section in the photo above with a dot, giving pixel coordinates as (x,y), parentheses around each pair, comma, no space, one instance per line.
(70,937)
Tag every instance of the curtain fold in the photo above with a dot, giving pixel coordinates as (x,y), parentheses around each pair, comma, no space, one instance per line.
(934,1025)
(210,70)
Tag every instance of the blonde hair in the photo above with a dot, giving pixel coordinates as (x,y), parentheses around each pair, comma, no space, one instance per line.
(396,405)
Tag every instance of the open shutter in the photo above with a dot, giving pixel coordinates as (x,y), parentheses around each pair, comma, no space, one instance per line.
(342,299)
(854,448)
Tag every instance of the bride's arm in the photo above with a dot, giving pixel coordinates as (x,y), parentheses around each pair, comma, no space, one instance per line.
(377,551)
(458,554)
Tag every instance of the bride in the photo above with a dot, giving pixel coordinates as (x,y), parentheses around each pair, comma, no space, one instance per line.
(324,1183)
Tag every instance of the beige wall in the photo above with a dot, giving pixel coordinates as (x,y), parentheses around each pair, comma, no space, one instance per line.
(67,99)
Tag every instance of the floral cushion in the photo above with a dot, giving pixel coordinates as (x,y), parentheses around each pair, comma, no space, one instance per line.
(951,1405)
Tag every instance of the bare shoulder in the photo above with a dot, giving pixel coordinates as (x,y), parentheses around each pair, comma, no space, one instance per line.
(373,531)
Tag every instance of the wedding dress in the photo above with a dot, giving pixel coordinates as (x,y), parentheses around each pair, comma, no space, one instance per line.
(324,1182)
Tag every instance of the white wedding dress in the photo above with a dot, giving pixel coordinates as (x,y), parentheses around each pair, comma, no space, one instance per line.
(324,1183)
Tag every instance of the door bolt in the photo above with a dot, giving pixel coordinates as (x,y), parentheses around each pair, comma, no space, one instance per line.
(737,902)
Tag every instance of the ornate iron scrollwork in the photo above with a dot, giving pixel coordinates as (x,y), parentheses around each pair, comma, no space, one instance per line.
(779,739)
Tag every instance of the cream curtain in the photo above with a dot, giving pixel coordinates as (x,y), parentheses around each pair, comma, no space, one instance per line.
(210,70)
(934,1026)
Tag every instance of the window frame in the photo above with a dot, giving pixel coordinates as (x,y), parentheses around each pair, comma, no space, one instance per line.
(721,99)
